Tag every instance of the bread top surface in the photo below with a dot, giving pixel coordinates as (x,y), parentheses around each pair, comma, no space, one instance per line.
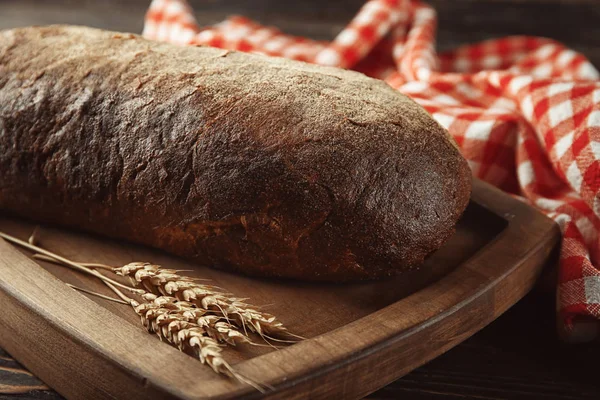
(271,166)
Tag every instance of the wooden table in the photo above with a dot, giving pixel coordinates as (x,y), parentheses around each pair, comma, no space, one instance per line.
(518,355)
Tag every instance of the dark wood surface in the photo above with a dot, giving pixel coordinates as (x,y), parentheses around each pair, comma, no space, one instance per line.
(517,356)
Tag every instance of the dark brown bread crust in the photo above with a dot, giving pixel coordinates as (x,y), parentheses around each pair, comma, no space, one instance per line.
(267,166)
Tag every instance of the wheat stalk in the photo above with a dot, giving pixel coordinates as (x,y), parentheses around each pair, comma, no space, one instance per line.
(176,321)
(182,325)
(167,282)
(152,278)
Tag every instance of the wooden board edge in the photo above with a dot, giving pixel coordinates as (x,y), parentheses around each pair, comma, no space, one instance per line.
(536,235)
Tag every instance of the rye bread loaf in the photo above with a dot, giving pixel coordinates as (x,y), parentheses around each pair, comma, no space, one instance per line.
(262,165)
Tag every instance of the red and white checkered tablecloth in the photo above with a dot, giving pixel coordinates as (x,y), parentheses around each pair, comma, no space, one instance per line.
(525,112)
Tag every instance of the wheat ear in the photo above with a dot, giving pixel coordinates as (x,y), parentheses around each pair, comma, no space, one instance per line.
(162,281)
(176,322)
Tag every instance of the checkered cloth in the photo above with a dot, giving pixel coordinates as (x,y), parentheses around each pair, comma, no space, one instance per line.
(525,112)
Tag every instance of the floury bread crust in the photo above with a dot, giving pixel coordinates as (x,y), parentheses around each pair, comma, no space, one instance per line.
(262,165)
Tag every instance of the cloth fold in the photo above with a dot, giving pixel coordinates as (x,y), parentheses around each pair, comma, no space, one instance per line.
(525,112)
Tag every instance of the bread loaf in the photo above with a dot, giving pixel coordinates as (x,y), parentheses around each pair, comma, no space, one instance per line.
(262,165)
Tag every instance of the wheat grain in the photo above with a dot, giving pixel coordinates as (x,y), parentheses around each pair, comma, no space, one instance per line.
(164,316)
(182,325)
(167,282)
(212,325)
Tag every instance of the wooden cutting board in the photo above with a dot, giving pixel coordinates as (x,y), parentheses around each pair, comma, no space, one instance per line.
(360,337)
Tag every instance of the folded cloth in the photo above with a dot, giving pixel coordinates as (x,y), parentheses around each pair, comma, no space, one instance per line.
(525,112)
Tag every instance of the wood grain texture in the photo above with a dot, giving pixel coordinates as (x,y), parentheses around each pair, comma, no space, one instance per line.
(360,336)
(515,357)
(520,348)
(14,379)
